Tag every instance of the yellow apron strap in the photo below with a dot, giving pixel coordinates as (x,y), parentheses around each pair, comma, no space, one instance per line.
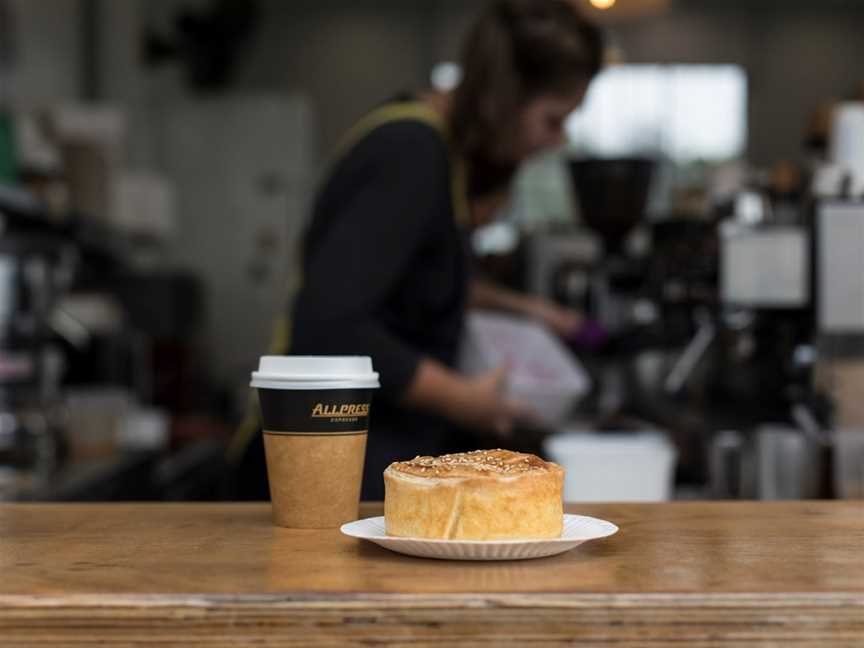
(404,111)
(281,341)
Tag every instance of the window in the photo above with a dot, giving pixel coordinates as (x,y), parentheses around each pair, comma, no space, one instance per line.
(682,112)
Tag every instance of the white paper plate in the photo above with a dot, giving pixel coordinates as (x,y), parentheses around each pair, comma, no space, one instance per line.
(577,529)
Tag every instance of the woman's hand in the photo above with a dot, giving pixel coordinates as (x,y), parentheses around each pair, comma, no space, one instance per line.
(476,402)
(563,321)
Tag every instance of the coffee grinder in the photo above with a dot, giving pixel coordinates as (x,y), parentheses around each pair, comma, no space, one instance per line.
(612,195)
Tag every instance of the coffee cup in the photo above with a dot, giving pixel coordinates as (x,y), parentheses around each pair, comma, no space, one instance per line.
(315,420)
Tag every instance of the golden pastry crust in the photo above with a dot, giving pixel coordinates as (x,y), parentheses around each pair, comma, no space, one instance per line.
(480,495)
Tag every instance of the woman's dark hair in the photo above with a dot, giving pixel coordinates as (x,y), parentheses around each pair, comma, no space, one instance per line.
(516,50)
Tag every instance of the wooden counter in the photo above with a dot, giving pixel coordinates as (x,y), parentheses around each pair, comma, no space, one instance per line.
(694,574)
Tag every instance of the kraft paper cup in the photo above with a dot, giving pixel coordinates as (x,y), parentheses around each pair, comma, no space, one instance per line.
(315,417)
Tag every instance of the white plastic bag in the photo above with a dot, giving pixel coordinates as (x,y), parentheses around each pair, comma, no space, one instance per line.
(542,373)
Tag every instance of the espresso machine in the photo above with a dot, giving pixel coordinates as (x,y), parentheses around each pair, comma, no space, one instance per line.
(771,417)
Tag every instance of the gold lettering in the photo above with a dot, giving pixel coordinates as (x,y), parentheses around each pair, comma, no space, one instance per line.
(327,411)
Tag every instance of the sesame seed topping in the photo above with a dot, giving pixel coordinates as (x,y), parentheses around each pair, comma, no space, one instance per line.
(476,462)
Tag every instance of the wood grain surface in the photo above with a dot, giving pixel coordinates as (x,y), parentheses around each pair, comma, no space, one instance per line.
(695,574)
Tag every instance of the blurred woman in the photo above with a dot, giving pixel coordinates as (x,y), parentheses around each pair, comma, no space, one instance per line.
(386,269)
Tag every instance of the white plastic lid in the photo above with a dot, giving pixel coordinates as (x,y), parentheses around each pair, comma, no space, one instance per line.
(315,372)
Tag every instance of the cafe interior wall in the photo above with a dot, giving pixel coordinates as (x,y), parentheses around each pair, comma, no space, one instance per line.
(44,61)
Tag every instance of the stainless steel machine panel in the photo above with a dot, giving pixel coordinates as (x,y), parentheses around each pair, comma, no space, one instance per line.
(765,267)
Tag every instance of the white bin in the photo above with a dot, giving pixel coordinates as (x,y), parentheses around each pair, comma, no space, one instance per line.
(614,467)
(543,374)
